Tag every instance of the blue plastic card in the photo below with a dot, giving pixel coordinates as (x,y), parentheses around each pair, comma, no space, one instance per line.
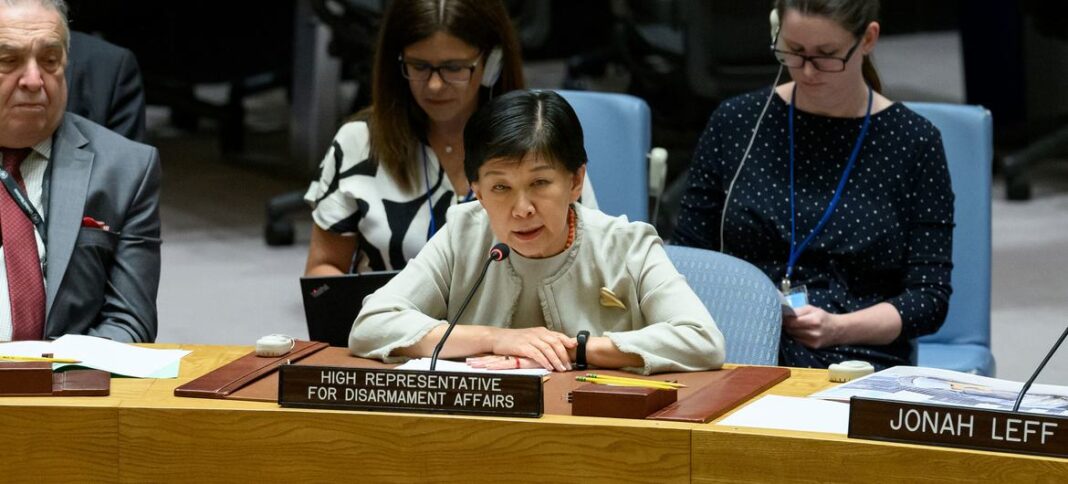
(798,297)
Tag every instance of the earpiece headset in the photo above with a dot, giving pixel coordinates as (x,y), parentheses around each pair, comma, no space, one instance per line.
(774,20)
(492,70)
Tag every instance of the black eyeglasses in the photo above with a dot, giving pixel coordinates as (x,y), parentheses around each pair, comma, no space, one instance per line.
(455,72)
(823,63)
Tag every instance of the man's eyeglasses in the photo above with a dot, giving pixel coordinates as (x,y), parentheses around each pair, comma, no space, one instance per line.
(455,72)
(823,63)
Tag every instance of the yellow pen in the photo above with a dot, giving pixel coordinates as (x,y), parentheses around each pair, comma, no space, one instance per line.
(624,384)
(641,384)
(634,380)
(38,358)
(636,383)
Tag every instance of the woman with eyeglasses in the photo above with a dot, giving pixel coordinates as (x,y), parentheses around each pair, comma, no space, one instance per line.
(388,178)
(838,194)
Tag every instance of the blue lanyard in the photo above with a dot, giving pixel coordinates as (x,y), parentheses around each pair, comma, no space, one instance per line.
(795,248)
(433,227)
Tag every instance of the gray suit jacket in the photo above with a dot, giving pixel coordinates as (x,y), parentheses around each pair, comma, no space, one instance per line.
(102,282)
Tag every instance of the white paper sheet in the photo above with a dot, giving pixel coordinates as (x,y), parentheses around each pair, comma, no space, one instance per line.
(792,413)
(103,354)
(26,348)
(423,364)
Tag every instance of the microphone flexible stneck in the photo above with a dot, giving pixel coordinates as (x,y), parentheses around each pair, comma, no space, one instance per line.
(495,255)
(1027,386)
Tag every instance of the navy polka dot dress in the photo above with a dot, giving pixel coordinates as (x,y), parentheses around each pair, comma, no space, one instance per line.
(889,240)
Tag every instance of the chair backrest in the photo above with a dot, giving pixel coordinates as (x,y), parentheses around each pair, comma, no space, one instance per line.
(618,134)
(104,85)
(726,51)
(967,134)
(743,302)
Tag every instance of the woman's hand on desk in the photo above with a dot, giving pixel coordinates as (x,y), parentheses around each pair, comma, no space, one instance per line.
(498,362)
(548,349)
(600,352)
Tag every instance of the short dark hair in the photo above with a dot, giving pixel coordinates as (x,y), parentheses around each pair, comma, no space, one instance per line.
(523,122)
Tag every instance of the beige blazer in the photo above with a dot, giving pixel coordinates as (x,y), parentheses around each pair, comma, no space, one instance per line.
(663,320)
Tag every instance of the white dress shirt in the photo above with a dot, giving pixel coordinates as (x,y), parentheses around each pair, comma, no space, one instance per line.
(33,174)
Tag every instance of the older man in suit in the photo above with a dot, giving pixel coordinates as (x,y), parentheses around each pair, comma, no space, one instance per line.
(79,206)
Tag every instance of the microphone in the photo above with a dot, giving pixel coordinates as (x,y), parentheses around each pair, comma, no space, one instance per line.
(498,253)
(1027,386)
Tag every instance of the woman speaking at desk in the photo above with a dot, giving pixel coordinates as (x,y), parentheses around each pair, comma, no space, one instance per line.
(571,268)
(834,188)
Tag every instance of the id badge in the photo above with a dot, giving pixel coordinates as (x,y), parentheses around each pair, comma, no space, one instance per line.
(794,298)
(797,296)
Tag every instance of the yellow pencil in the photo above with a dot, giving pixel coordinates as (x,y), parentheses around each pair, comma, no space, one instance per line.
(38,358)
(640,380)
(625,383)
(642,384)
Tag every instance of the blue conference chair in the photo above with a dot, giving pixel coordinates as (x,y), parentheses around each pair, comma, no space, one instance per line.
(963,342)
(618,134)
(742,300)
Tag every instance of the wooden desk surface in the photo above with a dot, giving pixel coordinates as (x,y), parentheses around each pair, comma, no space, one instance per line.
(142,433)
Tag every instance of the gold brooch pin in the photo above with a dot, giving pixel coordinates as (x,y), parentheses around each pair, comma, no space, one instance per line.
(610,300)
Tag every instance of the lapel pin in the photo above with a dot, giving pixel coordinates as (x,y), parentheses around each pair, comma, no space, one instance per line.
(610,300)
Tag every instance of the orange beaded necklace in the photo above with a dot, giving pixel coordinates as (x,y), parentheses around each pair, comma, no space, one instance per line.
(570,227)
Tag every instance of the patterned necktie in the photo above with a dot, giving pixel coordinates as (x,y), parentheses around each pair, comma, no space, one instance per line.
(25,285)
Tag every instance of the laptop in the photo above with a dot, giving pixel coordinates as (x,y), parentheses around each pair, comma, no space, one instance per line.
(331,303)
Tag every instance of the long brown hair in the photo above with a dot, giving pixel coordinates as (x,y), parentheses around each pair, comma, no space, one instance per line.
(852,15)
(395,119)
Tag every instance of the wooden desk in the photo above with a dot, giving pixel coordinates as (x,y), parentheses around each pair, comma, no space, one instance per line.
(142,433)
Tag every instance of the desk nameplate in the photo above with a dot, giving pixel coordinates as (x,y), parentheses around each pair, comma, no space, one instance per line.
(972,428)
(389,390)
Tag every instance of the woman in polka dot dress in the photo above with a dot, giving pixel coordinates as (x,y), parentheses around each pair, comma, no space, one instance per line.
(864,177)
